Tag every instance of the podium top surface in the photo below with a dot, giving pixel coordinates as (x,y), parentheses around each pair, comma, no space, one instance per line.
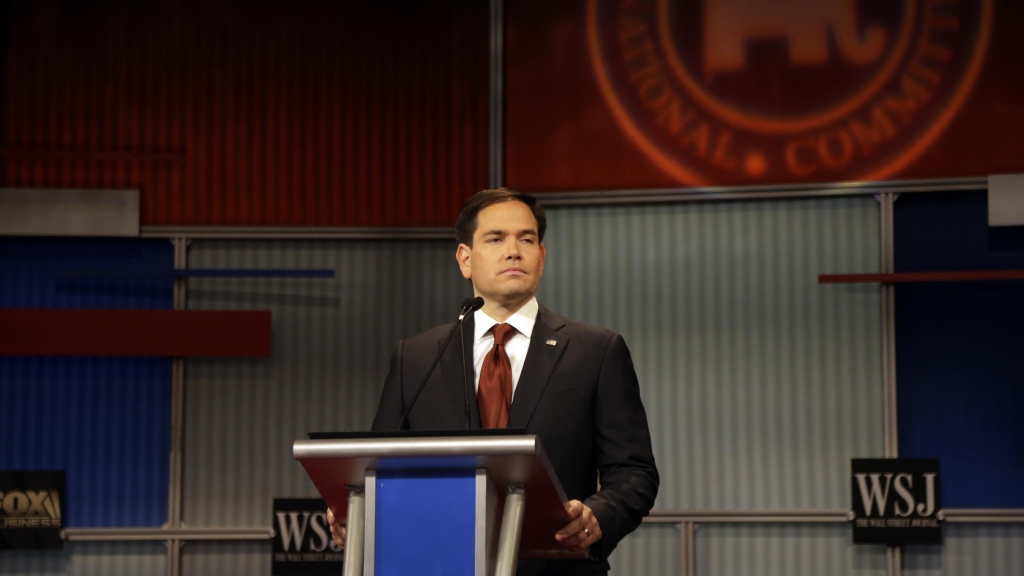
(418,447)
(334,465)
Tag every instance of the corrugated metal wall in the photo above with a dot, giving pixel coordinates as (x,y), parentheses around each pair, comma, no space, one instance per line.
(970,550)
(653,550)
(784,550)
(735,549)
(332,341)
(226,558)
(88,559)
(251,113)
(760,384)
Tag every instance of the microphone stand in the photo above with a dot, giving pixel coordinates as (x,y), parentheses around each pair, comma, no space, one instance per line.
(467,307)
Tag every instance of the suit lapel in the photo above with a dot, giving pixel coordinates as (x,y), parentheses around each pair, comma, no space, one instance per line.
(541,358)
(451,376)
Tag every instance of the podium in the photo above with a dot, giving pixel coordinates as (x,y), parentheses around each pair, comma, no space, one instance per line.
(454,503)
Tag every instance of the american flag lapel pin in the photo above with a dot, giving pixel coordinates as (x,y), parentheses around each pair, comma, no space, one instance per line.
(551,342)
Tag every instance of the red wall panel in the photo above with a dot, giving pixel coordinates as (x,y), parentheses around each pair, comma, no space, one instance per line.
(620,94)
(368,113)
(167,333)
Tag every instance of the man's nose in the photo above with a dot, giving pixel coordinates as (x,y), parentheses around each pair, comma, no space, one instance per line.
(513,250)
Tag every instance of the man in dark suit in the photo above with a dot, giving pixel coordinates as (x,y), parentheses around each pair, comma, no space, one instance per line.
(572,384)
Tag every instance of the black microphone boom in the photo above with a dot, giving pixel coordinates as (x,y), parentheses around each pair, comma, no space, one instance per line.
(474,304)
(468,306)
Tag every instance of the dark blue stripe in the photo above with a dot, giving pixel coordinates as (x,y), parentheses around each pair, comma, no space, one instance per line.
(193,273)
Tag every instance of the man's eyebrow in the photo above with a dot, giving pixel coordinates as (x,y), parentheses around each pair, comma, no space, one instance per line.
(522,232)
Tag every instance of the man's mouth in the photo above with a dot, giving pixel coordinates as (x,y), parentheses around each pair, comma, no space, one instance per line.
(513,270)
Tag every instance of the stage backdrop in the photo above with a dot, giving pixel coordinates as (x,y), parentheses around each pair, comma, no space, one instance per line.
(224,112)
(612,94)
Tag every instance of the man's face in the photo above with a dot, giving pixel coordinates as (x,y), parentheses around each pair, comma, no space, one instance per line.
(506,260)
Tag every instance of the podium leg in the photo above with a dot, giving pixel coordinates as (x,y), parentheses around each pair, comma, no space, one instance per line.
(511,530)
(355,531)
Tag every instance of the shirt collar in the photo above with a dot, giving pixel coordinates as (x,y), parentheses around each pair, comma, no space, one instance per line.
(523,320)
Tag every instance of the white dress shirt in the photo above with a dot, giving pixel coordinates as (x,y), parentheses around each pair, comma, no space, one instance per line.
(517,346)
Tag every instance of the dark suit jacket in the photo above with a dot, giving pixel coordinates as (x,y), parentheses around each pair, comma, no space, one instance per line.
(580,396)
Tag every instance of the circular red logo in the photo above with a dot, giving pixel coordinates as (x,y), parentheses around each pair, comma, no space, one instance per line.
(747,91)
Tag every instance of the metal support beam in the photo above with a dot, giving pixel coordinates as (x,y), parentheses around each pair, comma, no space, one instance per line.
(967,516)
(511,530)
(888,322)
(177,420)
(762,192)
(952,515)
(298,232)
(894,560)
(496,108)
(355,524)
(747,516)
(688,543)
(166,534)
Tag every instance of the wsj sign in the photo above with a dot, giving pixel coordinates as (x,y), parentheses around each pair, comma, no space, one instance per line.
(896,501)
(302,541)
(31,509)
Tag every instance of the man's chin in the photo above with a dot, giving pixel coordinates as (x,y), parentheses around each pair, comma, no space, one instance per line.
(512,295)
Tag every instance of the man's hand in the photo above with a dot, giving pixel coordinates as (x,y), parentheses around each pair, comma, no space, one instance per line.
(337,530)
(582,531)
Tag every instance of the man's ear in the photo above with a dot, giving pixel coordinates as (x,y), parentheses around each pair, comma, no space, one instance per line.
(543,255)
(462,255)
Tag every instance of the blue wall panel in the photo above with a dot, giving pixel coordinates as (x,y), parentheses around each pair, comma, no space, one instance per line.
(959,368)
(106,421)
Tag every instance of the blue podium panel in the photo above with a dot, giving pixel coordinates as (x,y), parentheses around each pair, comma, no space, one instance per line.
(425,523)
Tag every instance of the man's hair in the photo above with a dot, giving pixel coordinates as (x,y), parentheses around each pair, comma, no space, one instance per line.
(465,224)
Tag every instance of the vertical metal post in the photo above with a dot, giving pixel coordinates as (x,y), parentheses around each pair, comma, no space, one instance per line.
(177,419)
(888,256)
(894,560)
(511,530)
(487,526)
(891,431)
(370,523)
(355,531)
(496,110)
(688,543)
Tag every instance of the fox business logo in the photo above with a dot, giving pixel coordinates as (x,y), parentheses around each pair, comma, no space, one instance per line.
(302,541)
(896,501)
(747,91)
(30,509)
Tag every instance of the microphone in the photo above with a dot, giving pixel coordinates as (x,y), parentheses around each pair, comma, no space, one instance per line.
(471,305)
(474,305)
(468,305)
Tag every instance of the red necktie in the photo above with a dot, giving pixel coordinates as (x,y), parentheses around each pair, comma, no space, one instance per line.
(494,398)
